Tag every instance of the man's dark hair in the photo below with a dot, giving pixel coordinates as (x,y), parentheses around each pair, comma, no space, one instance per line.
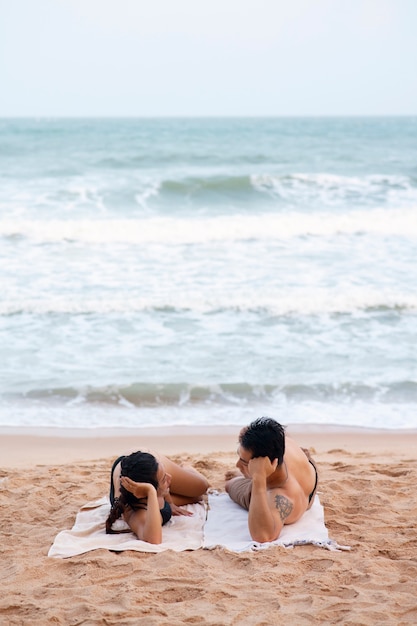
(264,437)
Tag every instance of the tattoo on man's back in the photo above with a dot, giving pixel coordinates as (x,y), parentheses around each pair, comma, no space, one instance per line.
(284,506)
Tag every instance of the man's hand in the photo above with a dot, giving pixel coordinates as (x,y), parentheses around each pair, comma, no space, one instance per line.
(262,467)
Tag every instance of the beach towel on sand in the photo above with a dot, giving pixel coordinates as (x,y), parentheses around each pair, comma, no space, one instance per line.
(226,526)
(89,533)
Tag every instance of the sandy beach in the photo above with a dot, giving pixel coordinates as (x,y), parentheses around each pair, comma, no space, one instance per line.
(367,487)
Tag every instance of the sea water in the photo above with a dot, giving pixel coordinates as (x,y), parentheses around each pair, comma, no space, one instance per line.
(208,271)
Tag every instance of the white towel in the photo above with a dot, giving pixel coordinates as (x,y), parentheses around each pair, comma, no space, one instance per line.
(89,533)
(227,527)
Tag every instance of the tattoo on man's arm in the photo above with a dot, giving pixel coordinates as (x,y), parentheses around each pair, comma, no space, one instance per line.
(284,506)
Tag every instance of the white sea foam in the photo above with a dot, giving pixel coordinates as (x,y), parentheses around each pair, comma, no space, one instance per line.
(151,191)
(296,302)
(332,190)
(360,414)
(168,230)
(153,273)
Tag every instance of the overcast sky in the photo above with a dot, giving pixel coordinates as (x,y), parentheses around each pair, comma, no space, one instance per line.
(188,57)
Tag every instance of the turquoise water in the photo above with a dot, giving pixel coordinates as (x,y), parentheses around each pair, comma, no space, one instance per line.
(207,271)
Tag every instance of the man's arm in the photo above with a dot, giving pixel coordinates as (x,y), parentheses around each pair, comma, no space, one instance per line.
(265,519)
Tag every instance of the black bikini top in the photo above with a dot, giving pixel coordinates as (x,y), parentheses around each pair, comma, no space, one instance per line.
(166,512)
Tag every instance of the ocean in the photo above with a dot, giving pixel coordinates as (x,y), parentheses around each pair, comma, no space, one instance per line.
(159,272)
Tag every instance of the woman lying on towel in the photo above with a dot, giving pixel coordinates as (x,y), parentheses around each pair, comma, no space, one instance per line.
(146,490)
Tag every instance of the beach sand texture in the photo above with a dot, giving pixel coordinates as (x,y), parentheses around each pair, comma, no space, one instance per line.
(367,487)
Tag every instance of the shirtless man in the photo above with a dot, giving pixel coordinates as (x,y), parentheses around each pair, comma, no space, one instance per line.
(279,479)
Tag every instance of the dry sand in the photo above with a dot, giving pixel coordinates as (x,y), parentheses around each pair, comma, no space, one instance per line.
(368,484)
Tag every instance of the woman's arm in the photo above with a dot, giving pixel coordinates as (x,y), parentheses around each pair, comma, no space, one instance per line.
(145,523)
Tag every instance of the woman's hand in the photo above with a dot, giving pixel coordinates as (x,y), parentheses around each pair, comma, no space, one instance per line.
(180,510)
(139,490)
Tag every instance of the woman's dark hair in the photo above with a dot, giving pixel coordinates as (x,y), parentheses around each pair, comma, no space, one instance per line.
(264,437)
(141,467)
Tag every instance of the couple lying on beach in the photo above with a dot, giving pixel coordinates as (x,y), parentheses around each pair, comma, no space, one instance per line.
(276,485)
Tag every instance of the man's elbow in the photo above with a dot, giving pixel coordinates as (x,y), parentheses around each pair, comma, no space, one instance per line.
(262,536)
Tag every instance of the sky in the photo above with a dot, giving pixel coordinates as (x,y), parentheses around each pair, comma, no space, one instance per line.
(214,58)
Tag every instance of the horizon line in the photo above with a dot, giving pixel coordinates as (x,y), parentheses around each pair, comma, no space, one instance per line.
(209,116)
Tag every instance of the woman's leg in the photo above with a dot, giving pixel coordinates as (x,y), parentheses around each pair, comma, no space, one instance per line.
(186,482)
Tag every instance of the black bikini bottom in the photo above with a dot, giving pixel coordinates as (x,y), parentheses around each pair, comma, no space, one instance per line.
(310,497)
